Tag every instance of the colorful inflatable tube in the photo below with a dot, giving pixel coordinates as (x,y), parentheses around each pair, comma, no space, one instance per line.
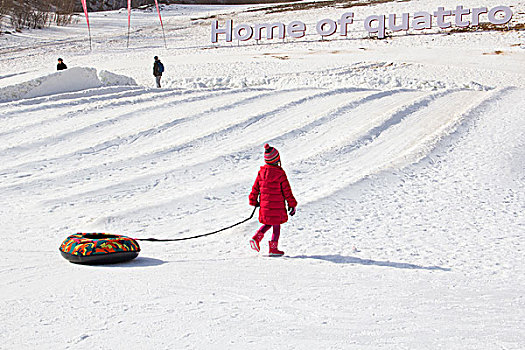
(98,248)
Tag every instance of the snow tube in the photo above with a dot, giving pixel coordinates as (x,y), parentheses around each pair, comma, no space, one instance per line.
(98,248)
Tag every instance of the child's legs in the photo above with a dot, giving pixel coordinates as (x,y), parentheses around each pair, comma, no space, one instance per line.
(276,232)
(264,228)
(261,231)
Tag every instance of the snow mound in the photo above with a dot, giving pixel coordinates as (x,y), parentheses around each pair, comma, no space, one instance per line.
(376,75)
(111,79)
(69,80)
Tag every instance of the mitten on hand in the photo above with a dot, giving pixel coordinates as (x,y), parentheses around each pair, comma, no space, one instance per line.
(291,211)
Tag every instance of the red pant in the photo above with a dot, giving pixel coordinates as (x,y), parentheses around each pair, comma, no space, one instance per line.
(276,231)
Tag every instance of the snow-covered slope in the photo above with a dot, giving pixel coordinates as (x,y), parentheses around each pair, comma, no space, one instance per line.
(406,157)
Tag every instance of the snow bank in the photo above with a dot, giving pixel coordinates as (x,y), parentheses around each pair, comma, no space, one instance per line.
(361,77)
(69,80)
(112,79)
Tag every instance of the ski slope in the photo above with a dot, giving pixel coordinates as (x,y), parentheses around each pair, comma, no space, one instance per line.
(406,156)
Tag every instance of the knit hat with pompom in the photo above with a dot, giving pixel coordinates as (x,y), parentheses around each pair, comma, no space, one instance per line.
(271,155)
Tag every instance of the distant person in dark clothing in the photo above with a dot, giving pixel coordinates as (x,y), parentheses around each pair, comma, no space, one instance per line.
(158,68)
(61,65)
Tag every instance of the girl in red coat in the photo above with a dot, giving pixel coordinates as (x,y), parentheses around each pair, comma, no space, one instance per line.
(270,190)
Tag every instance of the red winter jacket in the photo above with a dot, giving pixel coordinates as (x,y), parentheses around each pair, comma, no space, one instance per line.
(273,187)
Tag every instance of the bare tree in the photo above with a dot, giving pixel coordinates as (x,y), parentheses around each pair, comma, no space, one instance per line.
(5,5)
(63,11)
(37,14)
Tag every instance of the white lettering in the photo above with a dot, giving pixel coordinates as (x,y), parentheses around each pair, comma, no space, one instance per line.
(422,20)
(392,23)
(375,24)
(215,31)
(380,29)
(440,15)
(475,15)
(346,19)
(506,17)
(322,24)
(269,30)
(243,32)
(458,16)
(296,29)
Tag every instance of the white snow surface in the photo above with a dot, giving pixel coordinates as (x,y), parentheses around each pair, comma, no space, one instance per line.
(69,80)
(406,156)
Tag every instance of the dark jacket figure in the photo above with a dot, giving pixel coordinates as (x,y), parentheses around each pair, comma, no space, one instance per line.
(61,65)
(158,68)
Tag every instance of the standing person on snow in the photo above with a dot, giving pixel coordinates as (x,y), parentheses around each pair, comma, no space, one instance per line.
(158,68)
(61,65)
(270,190)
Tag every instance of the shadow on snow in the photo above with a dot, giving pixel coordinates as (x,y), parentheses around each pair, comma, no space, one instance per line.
(137,262)
(338,259)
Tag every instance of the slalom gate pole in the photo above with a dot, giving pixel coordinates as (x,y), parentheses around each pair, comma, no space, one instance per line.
(164,35)
(84,6)
(198,236)
(162,25)
(90,46)
(129,19)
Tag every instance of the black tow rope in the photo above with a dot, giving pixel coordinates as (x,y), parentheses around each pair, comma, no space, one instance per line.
(203,235)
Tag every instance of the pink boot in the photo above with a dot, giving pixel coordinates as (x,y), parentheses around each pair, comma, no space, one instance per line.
(254,242)
(273,249)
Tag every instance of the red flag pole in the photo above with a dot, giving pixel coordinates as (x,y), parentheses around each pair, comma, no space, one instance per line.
(162,25)
(84,5)
(129,19)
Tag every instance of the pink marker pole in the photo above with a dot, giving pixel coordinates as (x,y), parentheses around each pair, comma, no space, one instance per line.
(84,5)
(162,25)
(129,19)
